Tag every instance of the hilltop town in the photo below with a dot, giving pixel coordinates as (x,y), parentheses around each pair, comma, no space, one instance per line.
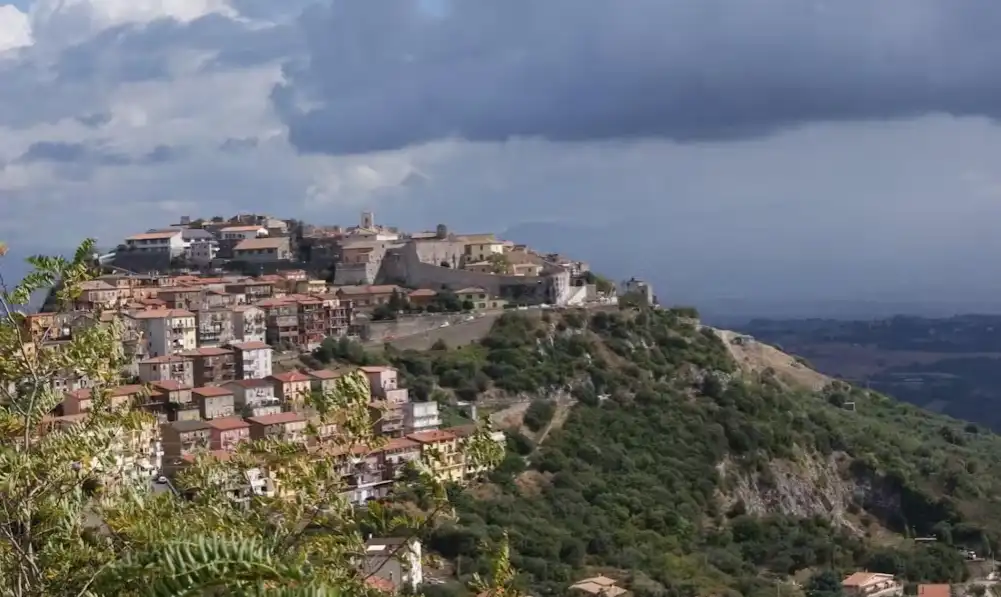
(208,305)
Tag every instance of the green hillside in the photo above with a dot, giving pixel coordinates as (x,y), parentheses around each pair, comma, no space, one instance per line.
(683,475)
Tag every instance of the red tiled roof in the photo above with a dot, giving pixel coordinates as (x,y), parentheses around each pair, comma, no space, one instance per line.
(375,368)
(207,351)
(211,391)
(401,443)
(290,377)
(160,313)
(277,418)
(167,358)
(228,423)
(324,374)
(430,437)
(170,385)
(255,345)
(251,383)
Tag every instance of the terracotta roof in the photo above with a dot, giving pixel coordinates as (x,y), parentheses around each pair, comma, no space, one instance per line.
(290,377)
(471,290)
(251,244)
(228,423)
(211,391)
(250,383)
(859,579)
(461,430)
(423,292)
(324,374)
(169,385)
(161,313)
(375,368)
(380,584)
(430,437)
(185,426)
(207,351)
(153,235)
(255,345)
(934,591)
(277,418)
(401,443)
(163,359)
(83,394)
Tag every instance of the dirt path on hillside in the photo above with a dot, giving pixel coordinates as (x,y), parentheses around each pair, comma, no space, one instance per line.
(755,357)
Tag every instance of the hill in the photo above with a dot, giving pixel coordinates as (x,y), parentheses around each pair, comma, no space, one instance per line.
(946,365)
(683,471)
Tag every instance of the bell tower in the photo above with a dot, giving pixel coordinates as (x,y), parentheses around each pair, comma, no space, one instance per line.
(367,219)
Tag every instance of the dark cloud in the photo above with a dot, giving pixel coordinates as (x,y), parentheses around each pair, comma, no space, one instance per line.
(84,154)
(49,84)
(72,153)
(237,145)
(95,120)
(383,75)
(162,154)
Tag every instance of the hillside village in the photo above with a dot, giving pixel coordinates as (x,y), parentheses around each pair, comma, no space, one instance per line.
(207,305)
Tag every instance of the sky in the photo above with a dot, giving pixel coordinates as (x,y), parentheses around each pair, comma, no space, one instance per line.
(805,151)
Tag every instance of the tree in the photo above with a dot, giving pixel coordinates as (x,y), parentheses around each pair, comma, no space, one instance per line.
(825,583)
(75,521)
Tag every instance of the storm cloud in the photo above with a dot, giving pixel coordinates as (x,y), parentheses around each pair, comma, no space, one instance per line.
(382,74)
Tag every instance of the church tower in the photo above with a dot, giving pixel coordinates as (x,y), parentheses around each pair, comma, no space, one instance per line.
(367,219)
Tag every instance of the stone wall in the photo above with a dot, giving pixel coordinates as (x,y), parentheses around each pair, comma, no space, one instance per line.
(436,252)
(404,266)
(348,274)
(385,331)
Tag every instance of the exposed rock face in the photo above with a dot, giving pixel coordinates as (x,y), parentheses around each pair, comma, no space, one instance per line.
(810,485)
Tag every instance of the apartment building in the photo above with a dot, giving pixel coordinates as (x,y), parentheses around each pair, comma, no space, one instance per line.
(166,241)
(182,297)
(252,290)
(397,453)
(173,367)
(83,400)
(442,449)
(313,320)
(292,388)
(212,365)
(253,359)
(285,426)
(258,250)
(323,380)
(214,402)
(166,331)
(420,416)
(177,400)
(215,326)
(226,433)
(248,324)
(254,397)
(282,320)
(388,400)
(181,438)
(366,298)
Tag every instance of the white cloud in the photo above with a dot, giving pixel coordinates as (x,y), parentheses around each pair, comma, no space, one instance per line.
(15,29)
